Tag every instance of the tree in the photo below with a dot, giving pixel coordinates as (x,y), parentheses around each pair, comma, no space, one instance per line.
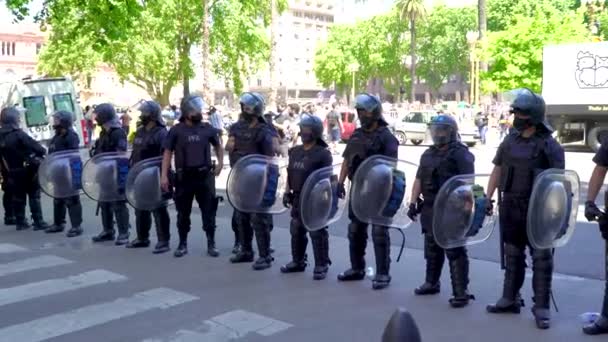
(516,53)
(272,65)
(482,20)
(502,13)
(414,11)
(442,44)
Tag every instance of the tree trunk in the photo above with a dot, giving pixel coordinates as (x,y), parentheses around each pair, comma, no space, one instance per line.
(413,56)
(483,27)
(163,98)
(206,66)
(274,19)
(186,83)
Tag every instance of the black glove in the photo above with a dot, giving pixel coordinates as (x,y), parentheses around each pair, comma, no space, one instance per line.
(288,199)
(490,207)
(592,212)
(603,225)
(341,190)
(412,212)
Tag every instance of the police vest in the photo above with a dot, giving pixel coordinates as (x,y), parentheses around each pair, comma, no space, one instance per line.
(437,167)
(145,145)
(521,164)
(362,145)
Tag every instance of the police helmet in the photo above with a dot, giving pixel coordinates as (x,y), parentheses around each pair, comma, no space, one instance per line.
(369,103)
(526,102)
(9,117)
(105,113)
(316,126)
(151,111)
(192,104)
(252,103)
(63,119)
(444,130)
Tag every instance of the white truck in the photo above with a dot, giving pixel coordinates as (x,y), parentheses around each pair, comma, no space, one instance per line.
(575,89)
(41,98)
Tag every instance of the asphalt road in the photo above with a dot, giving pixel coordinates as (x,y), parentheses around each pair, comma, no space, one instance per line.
(59,289)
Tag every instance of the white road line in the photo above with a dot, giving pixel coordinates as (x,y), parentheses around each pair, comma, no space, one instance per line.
(29,264)
(89,316)
(7,248)
(226,327)
(54,286)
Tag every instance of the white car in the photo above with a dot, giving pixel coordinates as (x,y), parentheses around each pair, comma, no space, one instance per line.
(413,126)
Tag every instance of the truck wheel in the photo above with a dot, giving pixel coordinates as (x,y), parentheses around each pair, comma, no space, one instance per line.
(594,137)
(400,137)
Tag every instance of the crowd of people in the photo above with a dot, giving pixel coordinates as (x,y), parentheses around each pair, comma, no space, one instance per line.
(188,174)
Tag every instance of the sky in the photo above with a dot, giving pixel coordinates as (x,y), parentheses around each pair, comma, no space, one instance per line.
(7,17)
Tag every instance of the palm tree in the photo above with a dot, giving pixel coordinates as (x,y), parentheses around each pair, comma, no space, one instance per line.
(274,19)
(483,26)
(206,53)
(414,11)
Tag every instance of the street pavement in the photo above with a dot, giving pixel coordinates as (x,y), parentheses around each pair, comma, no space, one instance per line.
(59,289)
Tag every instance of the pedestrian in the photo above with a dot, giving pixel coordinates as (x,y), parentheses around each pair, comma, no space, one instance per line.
(125,120)
(303,160)
(503,125)
(373,138)
(288,123)
(191,142)
(447,157)
(113,138)
(522,155)
(481,121)
(21,156)
(148,143)
(334,128)
(252,135)
(65,139)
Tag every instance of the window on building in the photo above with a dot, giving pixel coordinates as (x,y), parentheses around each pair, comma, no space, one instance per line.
(38,47)
(308,61)
(296,36)
(296,60)
(3,46)
(259,82)
(14,48)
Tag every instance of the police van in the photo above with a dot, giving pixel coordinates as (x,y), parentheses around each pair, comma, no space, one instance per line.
(40,98)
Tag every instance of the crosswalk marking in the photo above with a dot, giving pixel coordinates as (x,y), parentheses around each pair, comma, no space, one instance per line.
(54,286)
(7,248)
(29,264)
(89,316)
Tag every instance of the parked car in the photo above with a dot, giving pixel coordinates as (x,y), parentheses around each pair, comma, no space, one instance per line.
(349,122)
(469,134)
(413,126)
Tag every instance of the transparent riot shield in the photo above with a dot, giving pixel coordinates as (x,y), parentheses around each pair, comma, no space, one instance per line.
(255,184)
(378,191)
(320,205)
(460,212)
(553,208)
(143,189)
(60,174)
(104,177)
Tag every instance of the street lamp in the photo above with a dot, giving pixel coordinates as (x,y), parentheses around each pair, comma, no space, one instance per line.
(353,68)
(406,60)
(472,38)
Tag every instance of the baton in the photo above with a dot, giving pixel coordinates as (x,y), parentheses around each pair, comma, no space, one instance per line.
(501,236)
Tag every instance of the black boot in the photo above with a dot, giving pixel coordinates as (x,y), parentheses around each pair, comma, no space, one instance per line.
(294,267)
(181,250)
(74,231)
(137,243)
(261,225)
(236,248)
(161,247)
(211,249)
(123,239)
(10,221)
(320,247)
(23,225)
(515,272)
(599,327)
(459,273)
(298,249)
(242,256)
(40,225)
(357,242)
(435,257)
(382,251)
(103,236)
(542,268)
(263,263)
(57,228)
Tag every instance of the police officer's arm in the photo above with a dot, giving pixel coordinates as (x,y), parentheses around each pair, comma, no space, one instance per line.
(219,152)
(169,146)
(416,190)
(599,172)
(120,138)
(231,138)
(391,145)
(496,172)
(73,142)
(265,142)
(32,144)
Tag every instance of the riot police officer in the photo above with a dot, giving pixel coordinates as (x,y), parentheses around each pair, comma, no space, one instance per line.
(65,139)
(148,143)
(592,213)
(21,156)
(252,135)
(111,139)
(372,138)
(195,176)
(303,160)
(447,157)
(7,200)
(523,154)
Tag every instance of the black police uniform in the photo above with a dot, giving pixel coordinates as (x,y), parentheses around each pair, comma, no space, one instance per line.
(194,176)
(64,142)
(521,160)
(302,163)
(113,140)
(252,140)
(148,143)
(20,160)
(437,166)
(360,146)
(7,200)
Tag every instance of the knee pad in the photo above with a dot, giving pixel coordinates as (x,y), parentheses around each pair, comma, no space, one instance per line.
(357,230)
(296,228)
(456,253)
(542,258)
(380,235)
(319,234)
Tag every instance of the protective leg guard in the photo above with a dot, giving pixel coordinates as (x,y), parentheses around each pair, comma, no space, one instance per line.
(515,272)
(459,273)
(435,258)
(382,250)
(542,267)
(320,247)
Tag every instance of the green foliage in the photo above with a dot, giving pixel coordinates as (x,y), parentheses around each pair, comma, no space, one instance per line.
(442,44)
(515,54)
(503,13)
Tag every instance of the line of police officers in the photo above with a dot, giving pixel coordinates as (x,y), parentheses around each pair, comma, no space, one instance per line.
(529,149)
